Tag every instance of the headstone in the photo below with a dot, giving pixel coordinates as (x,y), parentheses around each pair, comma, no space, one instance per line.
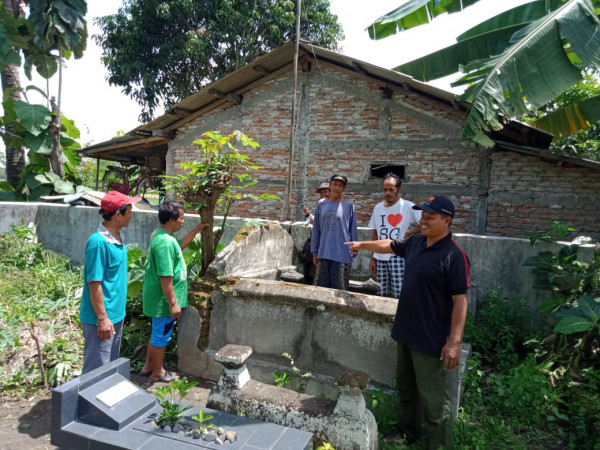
(104,410)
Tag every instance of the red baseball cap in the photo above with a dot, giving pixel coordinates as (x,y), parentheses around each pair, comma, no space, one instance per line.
(114,200)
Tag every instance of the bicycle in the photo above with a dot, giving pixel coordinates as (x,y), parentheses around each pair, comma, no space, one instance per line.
(147,185)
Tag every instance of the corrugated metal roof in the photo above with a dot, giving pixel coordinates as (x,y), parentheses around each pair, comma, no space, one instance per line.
(269,63)
(152,137)
(192,106)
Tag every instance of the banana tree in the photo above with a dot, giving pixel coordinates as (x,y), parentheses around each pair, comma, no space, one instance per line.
(52,32)
(514,62)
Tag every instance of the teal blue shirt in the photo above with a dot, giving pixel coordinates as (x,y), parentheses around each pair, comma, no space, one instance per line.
(105,261)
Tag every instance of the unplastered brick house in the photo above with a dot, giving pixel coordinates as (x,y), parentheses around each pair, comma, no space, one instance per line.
(364,121)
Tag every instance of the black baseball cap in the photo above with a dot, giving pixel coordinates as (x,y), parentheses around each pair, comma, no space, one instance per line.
(339,177)
(438,204)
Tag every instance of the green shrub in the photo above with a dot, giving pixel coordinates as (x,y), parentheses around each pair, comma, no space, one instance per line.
(525,394)
(498,332)
(384,405)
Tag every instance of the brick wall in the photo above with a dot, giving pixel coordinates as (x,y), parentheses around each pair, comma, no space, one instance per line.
(526,193)
(345,125)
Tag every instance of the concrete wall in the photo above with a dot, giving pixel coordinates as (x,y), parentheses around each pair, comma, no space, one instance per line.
(495,261)
(325,330)
(65,229)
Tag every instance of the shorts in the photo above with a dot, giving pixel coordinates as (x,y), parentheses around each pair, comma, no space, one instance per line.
(162,329)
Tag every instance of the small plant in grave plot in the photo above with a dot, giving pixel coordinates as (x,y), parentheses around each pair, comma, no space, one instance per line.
(325,446)
(173,409)
(285,377)
(201,417)
(210,432)
(171,417)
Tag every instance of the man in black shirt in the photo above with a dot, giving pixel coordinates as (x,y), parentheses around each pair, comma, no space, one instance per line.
(429,321)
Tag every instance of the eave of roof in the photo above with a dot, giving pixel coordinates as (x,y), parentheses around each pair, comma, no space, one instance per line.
(154,135)
(548,155)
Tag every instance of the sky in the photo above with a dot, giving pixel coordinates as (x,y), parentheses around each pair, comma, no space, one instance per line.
(101,110)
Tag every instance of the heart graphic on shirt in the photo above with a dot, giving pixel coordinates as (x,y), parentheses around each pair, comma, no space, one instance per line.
(394,219)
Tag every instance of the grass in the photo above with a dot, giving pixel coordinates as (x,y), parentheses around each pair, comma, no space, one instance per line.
(40,293)
(518,395)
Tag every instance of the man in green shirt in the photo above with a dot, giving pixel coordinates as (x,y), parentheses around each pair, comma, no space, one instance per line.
(165,285)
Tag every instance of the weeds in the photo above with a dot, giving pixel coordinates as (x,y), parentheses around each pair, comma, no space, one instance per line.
(284,378)
(498,333)
(39,293)
(384,406)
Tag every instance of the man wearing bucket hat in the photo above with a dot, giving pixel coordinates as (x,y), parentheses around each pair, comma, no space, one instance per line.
(323,191)
(430,318)
(102,308)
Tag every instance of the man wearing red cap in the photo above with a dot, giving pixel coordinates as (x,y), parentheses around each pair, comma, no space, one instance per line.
(104,296)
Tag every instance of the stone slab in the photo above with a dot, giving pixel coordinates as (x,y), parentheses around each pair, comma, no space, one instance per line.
(252,434)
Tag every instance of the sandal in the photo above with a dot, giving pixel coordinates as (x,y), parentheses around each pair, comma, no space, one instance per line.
(147,374)
(167,377)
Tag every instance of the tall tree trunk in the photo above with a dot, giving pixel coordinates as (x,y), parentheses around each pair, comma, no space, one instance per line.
(10,77)
(56,164)
(207,238)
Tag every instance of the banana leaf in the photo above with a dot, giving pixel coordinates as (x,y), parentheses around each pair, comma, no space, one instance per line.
(532,71)
(520,15)
(488,39)
(571,118)
(449,60)
(412,14)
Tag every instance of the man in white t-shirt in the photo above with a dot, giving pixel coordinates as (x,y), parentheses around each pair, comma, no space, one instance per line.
(391,219)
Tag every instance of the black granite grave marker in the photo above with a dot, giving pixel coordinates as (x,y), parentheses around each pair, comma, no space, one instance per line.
(86,415)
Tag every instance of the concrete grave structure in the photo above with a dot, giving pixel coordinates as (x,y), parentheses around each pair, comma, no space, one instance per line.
(363,120)
(255,252)
(346,424)
(104,410)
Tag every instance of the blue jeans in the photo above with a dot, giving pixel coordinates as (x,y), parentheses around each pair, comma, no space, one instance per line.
(97,352)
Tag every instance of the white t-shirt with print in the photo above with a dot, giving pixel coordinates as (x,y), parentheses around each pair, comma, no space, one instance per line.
(393,222)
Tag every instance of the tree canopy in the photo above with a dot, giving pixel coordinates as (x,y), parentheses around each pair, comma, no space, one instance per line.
(161,51)
(514,62)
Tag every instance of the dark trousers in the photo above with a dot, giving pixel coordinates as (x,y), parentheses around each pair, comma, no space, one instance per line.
(424,397)
(332,274)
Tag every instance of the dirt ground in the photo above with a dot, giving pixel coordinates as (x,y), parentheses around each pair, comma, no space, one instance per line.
(25,423)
